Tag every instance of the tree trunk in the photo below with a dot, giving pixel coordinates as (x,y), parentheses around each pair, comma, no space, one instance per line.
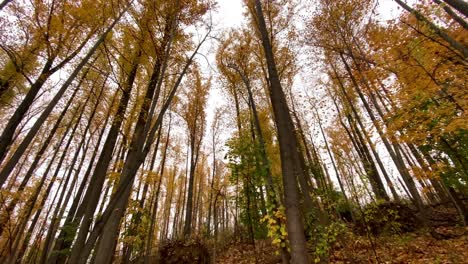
(4,3)
(10,128)
(194,154)
(452,42)
(68,233)
(136,155)
(9,209)
(460,5)
(288,148)
(149,242)
(93,191)
(58,216)
(50,107)
(452,14)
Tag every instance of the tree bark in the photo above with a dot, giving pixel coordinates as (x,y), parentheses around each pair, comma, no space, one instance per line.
(4,3)
(93,191)
(288,147)
(50,107)
(135,157)
(451,41)
(67,235)
(460,5)
(452,14)
(149,242)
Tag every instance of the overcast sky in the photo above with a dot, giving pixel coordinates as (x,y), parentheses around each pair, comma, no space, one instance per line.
(230,11)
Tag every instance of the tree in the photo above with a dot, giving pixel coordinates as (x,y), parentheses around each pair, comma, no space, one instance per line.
(288,146)
(194,116)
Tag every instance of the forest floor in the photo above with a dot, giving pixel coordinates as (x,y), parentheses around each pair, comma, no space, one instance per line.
(414,247)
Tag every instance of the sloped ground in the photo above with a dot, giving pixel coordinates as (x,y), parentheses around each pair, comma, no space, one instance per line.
(180,252)
(447,242)
(415,247)
(264,253)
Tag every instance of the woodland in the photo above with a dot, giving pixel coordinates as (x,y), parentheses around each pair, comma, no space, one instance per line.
(142,131)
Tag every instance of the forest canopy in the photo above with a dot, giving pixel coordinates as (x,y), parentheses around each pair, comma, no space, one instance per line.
(155,131)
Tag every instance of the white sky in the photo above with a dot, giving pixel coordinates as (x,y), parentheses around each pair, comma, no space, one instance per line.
(229,13)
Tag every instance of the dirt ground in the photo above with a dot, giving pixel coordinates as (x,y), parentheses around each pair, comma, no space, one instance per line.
(416,247)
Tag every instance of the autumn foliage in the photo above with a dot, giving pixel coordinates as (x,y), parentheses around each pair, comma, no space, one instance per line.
(147,131)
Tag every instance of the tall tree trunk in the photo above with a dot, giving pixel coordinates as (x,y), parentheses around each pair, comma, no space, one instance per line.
(271,192)
(391,148)
(29,207)
(58,167)
(58,216)
(136,155)
(451,41)
(107,242)
(12,124)
(50,107)
(151,235)
(93,191)
(6,138)
(9,209)
(11,163)
(288,147)
(32,200)
(338,176)
(213,178)
(452,14)
(137,217)
(194,154)
(369,164)
(67,234)
(4,3)
(460,5)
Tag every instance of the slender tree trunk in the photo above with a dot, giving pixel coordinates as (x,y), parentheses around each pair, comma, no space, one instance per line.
(36,160)
(67,234)
(271,192)
(55,220)
(460,5)
(213,178)
(31,201)
(10,128)
(288,148)
(391,148)
(194,150)
(108,239)
(265,165)
(57,169)
(4,3)
(332,159)
(62,205)
(93,191)
(26,212)
(37,243)
(10,164)
(136,221)
(452,42)
(6,138)
(149,242)
(107,225)
(453,14)
(366,157)
(50,107)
